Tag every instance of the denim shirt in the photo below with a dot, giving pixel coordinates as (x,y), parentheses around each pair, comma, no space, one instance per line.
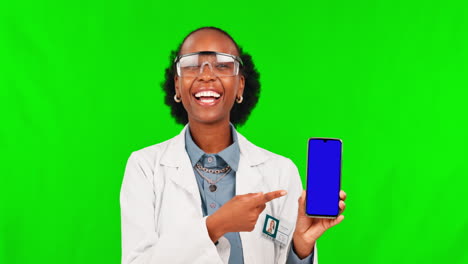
(226,189)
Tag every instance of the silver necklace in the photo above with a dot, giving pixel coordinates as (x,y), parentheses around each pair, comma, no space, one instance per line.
(198,165)
(213,186)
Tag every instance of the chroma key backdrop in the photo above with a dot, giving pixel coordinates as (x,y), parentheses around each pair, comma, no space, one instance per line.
(80,90)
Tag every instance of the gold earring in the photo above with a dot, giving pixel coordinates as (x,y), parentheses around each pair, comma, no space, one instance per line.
(178,100)
(239,99)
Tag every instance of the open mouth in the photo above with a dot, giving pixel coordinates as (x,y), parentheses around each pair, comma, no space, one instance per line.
(207,97)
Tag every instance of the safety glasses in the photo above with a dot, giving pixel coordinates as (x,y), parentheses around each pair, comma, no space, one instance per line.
(221,64)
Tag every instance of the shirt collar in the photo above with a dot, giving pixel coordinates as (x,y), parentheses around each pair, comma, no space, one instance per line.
(230,155)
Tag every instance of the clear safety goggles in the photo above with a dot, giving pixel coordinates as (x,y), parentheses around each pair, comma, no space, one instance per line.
(221,64)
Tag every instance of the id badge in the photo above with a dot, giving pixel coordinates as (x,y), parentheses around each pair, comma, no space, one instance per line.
(276,230)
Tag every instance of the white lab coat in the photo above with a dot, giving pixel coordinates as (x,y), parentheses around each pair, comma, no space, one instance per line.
(162,219)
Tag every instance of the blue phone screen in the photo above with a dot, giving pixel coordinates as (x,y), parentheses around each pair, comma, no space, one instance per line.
(323,177)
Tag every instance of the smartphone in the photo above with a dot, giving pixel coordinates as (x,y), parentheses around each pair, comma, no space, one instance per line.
(323,177)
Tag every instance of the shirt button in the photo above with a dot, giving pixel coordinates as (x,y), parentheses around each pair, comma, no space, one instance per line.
(210,159)
(212,205)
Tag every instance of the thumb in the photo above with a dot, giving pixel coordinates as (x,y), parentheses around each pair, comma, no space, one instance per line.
(251,195)
(257,196)
(257,199)
(254,196)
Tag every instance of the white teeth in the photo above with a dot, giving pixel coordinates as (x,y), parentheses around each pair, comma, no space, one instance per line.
(209,100)
(207,94)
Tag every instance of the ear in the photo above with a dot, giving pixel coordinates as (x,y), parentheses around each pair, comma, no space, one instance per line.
(176,84)
(240,92)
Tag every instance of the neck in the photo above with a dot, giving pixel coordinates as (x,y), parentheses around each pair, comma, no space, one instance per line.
(211,138)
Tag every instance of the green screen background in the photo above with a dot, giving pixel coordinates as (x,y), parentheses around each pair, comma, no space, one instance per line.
(80,90)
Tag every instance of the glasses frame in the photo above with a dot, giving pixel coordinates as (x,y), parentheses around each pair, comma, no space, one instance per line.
(177,59)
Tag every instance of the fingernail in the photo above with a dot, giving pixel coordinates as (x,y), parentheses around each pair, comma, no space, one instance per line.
(283,193)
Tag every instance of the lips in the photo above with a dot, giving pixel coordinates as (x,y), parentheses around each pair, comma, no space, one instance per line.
(207,97)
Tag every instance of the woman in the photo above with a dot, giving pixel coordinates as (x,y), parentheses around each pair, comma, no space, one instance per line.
(204,195)
(271,228)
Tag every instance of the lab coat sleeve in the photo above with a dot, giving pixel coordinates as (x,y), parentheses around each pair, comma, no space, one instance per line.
(141,243)
(291,181)
(224,248)
(294,259)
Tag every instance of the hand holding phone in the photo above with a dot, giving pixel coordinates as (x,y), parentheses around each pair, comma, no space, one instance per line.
(323,198)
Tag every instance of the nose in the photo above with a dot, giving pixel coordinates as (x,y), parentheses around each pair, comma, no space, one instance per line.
(206,73)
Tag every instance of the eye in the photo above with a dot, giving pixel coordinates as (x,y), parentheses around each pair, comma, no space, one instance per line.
(223,66)
(191,67)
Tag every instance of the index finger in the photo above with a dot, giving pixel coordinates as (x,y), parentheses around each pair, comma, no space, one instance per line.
(273,195)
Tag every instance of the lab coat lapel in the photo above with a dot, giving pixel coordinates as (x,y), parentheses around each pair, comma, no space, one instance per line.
(248,177)
(176,157)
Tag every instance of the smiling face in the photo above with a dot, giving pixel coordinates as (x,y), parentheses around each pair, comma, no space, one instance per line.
(208,98)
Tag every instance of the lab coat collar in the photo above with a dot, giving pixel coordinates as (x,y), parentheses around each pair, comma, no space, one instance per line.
(175,154)
(248,177)
(230,154)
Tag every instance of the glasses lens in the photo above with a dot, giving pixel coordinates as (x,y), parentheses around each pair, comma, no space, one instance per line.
(219,64)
